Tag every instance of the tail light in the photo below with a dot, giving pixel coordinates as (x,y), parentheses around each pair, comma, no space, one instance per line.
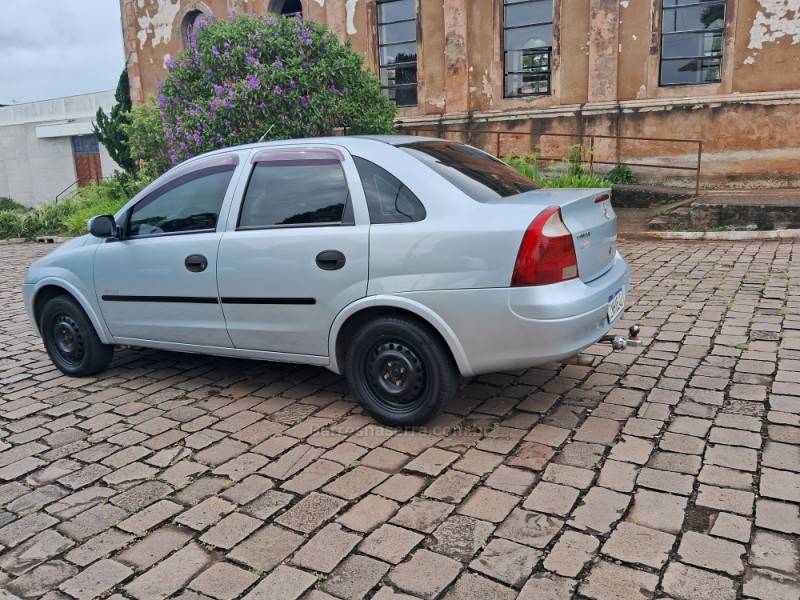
(546,254)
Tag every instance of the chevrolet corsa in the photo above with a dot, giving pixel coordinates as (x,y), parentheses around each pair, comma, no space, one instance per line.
(402,262)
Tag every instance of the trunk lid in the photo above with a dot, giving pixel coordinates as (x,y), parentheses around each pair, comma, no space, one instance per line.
(591,221)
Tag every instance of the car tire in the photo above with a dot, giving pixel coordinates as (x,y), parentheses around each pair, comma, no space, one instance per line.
(70,339)
(400,371)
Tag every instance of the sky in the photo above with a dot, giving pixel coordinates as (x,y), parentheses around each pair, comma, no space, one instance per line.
(54,48)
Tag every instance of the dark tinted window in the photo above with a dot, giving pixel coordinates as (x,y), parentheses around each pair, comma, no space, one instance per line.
(479,175)
(692,41)
(397,50)
(388,199)
(527,45)
(305,192)
(188,203)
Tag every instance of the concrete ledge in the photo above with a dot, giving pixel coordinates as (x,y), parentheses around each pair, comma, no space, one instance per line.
(733,236)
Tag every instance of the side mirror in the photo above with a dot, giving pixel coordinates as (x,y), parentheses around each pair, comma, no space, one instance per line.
(103,226)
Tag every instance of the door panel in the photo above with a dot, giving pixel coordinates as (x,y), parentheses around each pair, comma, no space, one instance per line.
(146,291)
(297,251)
(275,296)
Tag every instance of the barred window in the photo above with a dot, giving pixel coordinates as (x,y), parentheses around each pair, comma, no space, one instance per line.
(692,34)
(527,46)
(397,50)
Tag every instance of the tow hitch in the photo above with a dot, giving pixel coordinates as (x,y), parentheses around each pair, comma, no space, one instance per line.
(620,342)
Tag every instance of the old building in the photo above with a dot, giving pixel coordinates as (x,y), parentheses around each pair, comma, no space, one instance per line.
(726,72)
(48,148)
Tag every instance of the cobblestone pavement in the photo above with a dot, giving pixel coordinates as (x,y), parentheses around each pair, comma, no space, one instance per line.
(671,470)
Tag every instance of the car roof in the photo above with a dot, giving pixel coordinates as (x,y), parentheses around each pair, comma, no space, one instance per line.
(347,141)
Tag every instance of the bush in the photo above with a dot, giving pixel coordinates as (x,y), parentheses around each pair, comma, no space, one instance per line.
(248,78)
(10,225)
(146,138)
(111,130)
(10,205)
(572,175)
(622,174)
(69,217)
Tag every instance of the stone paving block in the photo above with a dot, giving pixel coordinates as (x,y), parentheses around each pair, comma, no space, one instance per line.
(171,574)
(96,579)
(150,517)
(506,561)
(90,522)
(778,516)
(230,531)
(355,483)
(267,504)
(266,548)
(422,515)
(205,514)
(600,509)
(284,582)
(223,581)
(609,580)
(666,481)
(547,586)
(782,485)
(684,582)
(355,576)
(368,513)
(514,481)
(451,486)
(711,553)
(576,477)
(768,585)
(571,553)
(470,585)
(432,461)
(425,575)
(736,501)
(478,462)
(635,544)
(400,487)
(98,546)
(598,431)
(530,528)
(326,549)
(390,543)
(732,527)
(30,554)
(461,537)
(664,512)
(488,504)
(310,512)
(551,498)
(155,546)
(775,551)
(42,579)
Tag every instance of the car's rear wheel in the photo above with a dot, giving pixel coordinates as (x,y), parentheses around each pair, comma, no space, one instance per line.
(70,339)
(401,372)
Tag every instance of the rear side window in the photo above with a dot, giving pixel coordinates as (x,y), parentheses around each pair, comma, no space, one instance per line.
(480,176)
(187,204)
(388,199)
(286,193)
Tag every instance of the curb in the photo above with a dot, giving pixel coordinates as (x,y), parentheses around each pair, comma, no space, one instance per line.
(732,236)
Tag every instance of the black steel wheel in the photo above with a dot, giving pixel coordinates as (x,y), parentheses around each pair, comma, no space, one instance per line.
(400,371)
(70,339)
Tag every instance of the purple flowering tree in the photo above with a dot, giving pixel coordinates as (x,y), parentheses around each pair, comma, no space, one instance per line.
(248,78)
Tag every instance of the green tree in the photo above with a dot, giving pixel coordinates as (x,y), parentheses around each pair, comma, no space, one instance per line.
(251,78)
(145,132)
(110,130)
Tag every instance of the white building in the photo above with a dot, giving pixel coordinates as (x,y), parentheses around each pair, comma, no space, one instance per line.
(48,149)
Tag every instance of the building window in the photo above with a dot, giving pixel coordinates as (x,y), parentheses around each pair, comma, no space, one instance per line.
(527,46)
(189,23)
(692,34)
(292,9)
(397,50)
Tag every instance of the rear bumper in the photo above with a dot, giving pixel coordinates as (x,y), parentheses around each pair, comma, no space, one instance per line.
(511,328)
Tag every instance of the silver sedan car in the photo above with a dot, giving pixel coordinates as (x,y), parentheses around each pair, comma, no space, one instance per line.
(402,262)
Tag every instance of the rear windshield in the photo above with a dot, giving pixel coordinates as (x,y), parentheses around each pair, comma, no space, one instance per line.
(480,176)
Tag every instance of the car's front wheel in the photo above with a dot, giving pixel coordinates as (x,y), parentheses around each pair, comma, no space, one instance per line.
(70,339)
(401,372)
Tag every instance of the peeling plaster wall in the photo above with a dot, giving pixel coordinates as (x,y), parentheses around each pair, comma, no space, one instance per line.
(606,53)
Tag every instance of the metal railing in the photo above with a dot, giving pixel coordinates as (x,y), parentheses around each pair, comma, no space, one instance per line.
(588,152)
(67,189)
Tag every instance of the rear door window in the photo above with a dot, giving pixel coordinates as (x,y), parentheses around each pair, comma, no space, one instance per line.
(295,193)
(388,199)
(479,175)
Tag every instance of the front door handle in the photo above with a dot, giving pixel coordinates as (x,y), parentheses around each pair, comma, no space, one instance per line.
(330,260)
(196,263)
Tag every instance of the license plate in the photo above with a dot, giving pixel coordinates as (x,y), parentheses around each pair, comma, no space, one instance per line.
(616,304)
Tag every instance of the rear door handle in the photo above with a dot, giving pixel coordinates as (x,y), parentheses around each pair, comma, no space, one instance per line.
(196,263)
(330,260)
